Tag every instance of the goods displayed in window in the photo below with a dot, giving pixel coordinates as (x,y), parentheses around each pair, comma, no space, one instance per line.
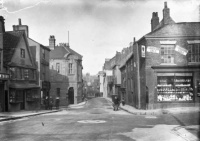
(16,96)
(174,88)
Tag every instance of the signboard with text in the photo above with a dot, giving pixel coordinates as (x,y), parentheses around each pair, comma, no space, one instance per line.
(153,49)
(181,50)
(143,51)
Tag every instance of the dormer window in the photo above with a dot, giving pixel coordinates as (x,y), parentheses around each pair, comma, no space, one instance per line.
(22,53)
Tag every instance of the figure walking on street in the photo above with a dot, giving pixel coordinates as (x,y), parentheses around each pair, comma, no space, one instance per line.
(116,103)
(57,102)
(51,103)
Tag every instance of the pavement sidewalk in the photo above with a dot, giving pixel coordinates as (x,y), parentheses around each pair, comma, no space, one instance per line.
(135,111)
(5,116)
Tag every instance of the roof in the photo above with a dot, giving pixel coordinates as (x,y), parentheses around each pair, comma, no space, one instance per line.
(10,41)
(177,29)
(40,44)
(60,51)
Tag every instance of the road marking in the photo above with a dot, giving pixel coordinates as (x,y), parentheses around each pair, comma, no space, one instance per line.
(91,121)
(150,117)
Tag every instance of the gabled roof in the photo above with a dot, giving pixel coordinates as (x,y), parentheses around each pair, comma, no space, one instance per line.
(10,41)
(177,29)
(60,51)
(40,44)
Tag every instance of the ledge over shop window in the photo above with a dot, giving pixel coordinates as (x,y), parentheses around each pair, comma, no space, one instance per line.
(193,41)
(168,42)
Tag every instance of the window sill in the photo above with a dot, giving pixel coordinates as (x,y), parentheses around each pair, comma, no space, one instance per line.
(168,64)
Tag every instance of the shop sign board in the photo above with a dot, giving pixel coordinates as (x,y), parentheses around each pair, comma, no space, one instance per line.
(109,72)
(143,51)
(153,49)
(4,76)
(181,50)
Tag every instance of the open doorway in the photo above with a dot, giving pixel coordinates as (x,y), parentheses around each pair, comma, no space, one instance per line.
(71,95)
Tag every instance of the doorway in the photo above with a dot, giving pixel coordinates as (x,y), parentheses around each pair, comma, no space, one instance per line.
(71,95)
(6,100)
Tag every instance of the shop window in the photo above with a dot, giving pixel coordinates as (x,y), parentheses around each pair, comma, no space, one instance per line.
(174,88)
(22,53)
(70,68)
(167,54)
(30,96)
(13,74)
(194,53)
(16,96)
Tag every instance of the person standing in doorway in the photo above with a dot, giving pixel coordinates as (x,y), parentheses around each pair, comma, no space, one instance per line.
(57,102)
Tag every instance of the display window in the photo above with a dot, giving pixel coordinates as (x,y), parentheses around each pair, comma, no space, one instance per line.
(175,87)
(16,96)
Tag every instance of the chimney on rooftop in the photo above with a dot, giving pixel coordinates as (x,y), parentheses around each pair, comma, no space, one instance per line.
(21,27)
(2,24)
(52,42)
(154,21)
(166,13)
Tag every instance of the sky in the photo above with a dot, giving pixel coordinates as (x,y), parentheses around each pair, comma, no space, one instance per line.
(97,28)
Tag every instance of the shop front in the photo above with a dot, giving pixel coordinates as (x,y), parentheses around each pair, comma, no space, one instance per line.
(177,88)
(3,92)
(23,97)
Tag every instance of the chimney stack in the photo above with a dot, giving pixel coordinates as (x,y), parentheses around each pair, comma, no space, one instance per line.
(154,21)
(2,24)
(21,27)
(166,13)
(52,42)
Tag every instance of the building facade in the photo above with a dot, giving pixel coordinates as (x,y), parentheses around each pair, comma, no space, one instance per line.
(66,73)
(41,56)
(22,91)
(168,64)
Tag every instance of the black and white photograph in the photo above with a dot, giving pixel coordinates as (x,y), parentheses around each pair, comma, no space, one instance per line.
(99,70)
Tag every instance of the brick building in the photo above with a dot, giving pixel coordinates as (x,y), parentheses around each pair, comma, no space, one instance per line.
(168,64)
(66,73)
(41,56)
(21,90)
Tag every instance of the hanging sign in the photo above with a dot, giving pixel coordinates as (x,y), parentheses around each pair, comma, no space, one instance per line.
(143,51)
(181,50)
(153,49)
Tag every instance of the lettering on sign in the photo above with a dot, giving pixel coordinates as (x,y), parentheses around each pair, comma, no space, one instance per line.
(181,50)
(153,49)
(143,51)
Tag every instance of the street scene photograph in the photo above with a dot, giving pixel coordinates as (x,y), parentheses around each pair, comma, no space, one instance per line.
(99,70)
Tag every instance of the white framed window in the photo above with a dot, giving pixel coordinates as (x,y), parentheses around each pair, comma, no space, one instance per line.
(194,53)
(167,53)
(58,67)
(70,68)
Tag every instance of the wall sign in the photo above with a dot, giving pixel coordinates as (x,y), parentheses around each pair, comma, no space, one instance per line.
(181,50)
(153,49)
(143,51)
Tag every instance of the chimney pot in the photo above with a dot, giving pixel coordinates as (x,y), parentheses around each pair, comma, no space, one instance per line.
(20,23)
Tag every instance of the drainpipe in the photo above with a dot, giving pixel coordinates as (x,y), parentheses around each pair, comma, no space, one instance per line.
(138,75)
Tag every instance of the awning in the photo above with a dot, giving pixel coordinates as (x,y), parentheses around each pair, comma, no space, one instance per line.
(23,86)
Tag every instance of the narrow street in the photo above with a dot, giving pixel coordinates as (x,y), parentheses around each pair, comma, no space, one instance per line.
(96,121)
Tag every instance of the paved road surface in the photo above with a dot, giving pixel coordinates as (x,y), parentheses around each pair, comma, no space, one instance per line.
(96,121)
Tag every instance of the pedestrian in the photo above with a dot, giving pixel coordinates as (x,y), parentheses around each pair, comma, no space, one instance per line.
(46,103)
(57,102)
(116,103)
(123,101)
(51,103)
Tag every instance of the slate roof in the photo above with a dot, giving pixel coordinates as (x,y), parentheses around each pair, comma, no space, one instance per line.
(177,29)
(60,51)
(10,41)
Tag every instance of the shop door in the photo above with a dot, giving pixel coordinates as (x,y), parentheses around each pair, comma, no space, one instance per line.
(6,100)
(2,104)
(71,95)
(22,104)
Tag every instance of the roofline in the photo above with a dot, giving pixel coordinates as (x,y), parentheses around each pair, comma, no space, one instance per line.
(40,44)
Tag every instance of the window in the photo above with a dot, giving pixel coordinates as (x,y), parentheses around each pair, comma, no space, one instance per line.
(16,96)
(194,53)
(167,54)
(26,73)
(58,67)
(22,53)
(70,68)
(13,73)
(43,53)
(58,92)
